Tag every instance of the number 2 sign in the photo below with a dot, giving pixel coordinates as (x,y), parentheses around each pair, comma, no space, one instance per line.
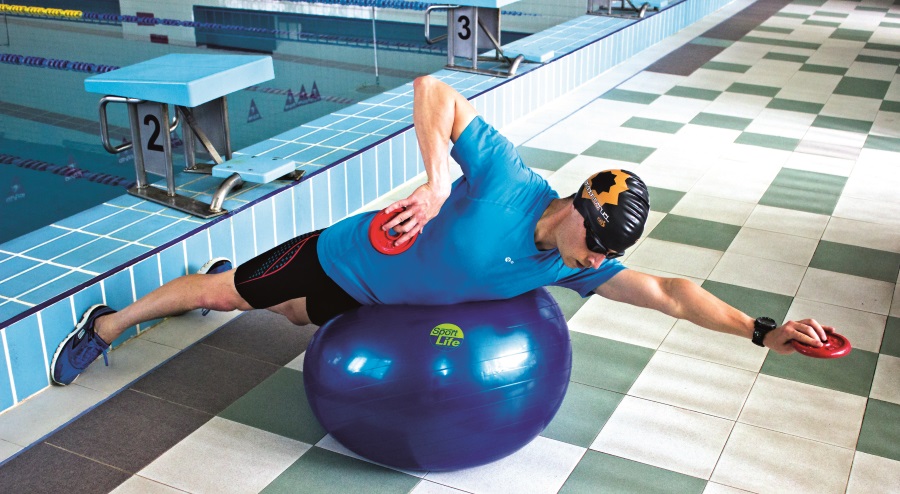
(153,119)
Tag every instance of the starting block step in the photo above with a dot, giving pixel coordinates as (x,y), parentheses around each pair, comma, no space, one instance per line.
(255,169)
(530,54)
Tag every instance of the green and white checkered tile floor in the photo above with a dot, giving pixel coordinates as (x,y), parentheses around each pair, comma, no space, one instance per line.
(775,178)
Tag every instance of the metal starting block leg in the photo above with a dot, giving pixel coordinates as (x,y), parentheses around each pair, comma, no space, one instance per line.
(605,8)
(469,30)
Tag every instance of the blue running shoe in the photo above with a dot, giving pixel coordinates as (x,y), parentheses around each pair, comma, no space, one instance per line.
(79,350)
(215,266)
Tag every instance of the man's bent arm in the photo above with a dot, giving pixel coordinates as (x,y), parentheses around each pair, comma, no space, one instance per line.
(683,299)
(440,114)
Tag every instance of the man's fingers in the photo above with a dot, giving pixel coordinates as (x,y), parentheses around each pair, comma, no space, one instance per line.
(806,334)
(818,328)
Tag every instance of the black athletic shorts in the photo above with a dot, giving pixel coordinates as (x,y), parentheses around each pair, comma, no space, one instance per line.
(292,270)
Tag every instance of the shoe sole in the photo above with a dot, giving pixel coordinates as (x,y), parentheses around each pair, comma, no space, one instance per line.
(78,327)
(210,263)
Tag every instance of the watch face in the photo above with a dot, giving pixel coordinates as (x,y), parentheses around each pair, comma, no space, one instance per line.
(766,322)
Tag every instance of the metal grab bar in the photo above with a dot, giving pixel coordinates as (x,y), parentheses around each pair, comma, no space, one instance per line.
(428,38)
(104,124)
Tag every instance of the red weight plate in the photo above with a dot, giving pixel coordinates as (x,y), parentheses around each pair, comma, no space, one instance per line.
(383,241)
(836,346)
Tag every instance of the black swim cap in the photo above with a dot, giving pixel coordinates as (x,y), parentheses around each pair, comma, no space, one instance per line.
(615,203)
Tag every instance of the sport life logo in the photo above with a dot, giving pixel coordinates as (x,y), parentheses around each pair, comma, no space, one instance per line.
(447,335)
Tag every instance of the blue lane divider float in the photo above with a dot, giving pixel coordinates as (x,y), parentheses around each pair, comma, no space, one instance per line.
(55,63)
(66,171)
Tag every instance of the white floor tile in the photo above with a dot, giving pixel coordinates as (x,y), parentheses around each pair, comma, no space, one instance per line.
(331,444)
(767,73)
(782,123)
(773,246)
(693,384)
(664,436)
(8,449)
(691,340)
(738,105)
(738,181)
(765,461)
(671,257)
(541,466)
(235,458)
(126,364)
(863,234)
(863,329)
(880,189)
(426,487)
(872,474)
(652,82)
(673,109)
(831,143)
(895,305)
(852,107)
(846,290)
(622,322)
(185,330)
(760,274)
(139,485)
(887,375)
(714,488)
(820,164)
(773,399)
(789,221)
(713,208)
(887,124)
(47,410)
(880,72)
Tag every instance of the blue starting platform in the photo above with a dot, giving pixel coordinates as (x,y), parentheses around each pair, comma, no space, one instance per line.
(197,86)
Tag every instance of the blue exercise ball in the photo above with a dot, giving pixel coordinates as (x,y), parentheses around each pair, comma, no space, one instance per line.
(440,387)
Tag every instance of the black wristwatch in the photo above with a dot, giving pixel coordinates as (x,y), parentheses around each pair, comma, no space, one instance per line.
(761,327)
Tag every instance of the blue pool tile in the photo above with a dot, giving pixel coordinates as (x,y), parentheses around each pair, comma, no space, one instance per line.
(335,156)
(398,157)
(88,217)
(383,151)
(284,217)
(353,169)
(58,321)
(264,225)
(372,126)
(338,185)
(321,201)
(303,207)
(15,265)
(325,121)
(414,164)
(146,276)
(61,245)
(320,135)
(86,297)
(171,262)
(295,133)
(6,394)
(147,226)
(66,282)
(29,369)
(169,233)
(204,184)
(243,237)
(32,239)
(262,147)
(350,123)
(116,258)
(220,239)
(11,308)
(399,115)
(370,176)
(15,286)
(197,251)
(90,252)
(4,257)
(353,140)
(119,294)
(125,201)
(371,111)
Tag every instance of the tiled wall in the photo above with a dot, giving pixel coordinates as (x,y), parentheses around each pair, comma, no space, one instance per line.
(344,175)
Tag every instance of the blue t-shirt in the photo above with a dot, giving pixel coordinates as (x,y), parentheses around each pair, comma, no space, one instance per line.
(479,247)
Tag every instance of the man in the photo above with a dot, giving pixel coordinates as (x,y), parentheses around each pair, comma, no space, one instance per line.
(502,231)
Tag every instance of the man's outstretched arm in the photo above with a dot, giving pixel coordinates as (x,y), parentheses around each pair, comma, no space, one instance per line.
(440,114)
(683,299)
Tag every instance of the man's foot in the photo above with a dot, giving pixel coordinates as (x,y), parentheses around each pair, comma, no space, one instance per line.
(79,350)
(215,266)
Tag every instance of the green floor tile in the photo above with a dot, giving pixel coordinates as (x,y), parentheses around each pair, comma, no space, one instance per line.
(864,88)
(721,121)
(653,125)
(779,30)
(890,344)
(722,43)
(786,57)
(856,261)
(802,180)
(882,47)
(866,8)
(882,143)
(811,22)
(726,67)
(583,413)
(755,303)
(880,434)
(630,96)
(663,200)
(789,198)
(607,364)
(878,60)
(892,106)
(286,412)
(600,472)
(781,42)
(890,25)
(694,231)
(845,124)
(320,470)
(824,13)
(766,141)
(815,3)
(569,300)
(619,151)
(851,34)
(851,374)
(823,69)
(797,106)
(754,89)
(790,15)
(693,93)
(544,159)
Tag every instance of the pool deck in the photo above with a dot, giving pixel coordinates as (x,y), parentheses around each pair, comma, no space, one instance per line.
(770,140)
